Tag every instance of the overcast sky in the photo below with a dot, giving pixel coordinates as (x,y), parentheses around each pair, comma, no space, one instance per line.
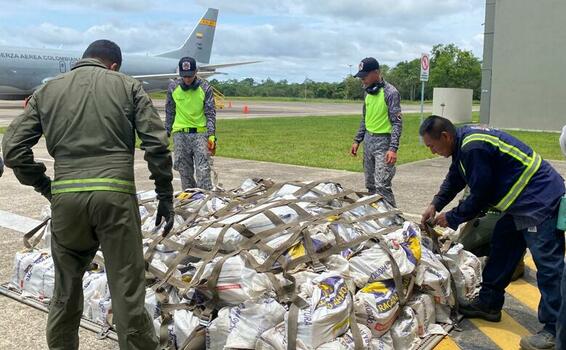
(295,39)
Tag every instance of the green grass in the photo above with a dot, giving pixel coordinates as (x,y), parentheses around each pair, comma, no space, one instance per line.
(325,142)
(322,142)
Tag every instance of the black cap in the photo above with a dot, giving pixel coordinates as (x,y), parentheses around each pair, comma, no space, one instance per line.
(366,66)
(187,67)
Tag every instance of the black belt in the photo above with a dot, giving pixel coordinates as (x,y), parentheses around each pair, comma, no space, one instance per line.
(191,130)
(379,134)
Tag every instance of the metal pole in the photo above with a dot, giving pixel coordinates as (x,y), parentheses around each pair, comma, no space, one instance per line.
(422,108)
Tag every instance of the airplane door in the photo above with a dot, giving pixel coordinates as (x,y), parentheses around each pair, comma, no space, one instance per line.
(62,66)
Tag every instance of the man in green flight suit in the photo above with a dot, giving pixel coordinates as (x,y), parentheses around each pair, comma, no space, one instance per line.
(90,117)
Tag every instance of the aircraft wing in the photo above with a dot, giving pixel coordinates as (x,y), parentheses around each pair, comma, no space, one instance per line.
(167,76)
(207,67)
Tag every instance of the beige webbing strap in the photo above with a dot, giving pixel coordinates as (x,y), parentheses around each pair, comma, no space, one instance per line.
(172,267)
(293,322)
(397,278)
(284,293)
(191,218)
(166,317)
(311,252)
(305,188)
(31,243)
(189,343)
(356,334)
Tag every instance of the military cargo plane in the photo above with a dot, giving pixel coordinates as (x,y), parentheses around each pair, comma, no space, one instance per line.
(22,70)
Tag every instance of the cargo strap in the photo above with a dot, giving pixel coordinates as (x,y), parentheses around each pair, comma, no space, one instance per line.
(338,209)
(94,184)
(440,249)
(29,240)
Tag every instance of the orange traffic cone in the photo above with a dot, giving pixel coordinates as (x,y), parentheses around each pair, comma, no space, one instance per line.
(246,109)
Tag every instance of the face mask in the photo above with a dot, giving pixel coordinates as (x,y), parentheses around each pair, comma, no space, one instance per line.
(374,88)
(195,84)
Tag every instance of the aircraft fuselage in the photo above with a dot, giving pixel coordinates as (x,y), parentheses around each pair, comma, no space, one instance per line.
(22,70)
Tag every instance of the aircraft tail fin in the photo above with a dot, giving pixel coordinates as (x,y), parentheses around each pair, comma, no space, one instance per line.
(199,44)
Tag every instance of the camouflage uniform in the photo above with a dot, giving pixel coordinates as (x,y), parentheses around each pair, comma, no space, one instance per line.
(378,173)
(191,159)
(191,156)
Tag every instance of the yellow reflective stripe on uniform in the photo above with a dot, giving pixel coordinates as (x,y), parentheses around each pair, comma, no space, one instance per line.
(520,184)
(92,188)
(94,180)
(531,163)
(93,184)
(462,167)
(502,146)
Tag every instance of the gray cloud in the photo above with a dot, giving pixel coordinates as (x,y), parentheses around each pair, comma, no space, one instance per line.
(107,5)
(293,39)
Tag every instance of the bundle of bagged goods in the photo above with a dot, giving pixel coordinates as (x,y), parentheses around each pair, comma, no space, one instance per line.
(281,266)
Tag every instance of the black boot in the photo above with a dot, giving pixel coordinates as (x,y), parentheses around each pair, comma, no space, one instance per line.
(475,309)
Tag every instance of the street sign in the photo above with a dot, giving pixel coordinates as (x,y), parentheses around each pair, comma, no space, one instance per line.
(425,67)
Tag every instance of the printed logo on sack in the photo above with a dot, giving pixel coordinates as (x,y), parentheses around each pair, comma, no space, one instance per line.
(28,270)
(334,292)
(235,317)
(388,304)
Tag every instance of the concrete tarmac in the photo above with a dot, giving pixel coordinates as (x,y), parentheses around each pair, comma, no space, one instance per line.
(255,109)
(24,327)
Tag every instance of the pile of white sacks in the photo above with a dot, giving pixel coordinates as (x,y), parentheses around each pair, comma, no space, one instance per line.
(251,267)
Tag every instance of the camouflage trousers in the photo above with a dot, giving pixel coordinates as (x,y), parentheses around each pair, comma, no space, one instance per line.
(378,173)
(191,160)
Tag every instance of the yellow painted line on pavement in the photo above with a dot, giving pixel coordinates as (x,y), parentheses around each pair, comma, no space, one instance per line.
(525,292)
(506,334)
(447,344)
(530,263)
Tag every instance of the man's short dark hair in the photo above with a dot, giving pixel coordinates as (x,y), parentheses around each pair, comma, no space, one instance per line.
(434,125)
(104,50)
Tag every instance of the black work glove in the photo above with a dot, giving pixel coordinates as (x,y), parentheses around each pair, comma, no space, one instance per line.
(44,187)
(165,212)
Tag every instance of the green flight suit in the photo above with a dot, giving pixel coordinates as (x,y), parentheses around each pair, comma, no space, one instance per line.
(90,117)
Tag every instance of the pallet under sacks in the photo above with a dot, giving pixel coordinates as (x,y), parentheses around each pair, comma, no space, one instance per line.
(280,266)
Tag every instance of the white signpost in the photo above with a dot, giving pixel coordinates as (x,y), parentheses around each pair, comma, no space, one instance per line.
(425,68)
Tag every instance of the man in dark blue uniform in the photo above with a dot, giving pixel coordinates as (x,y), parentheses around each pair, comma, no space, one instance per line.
(561,324)
(503,173)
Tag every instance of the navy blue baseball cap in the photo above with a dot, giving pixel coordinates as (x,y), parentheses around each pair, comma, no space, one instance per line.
(187,67)
(366,66)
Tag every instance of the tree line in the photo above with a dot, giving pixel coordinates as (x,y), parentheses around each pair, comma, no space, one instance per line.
(449,67)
